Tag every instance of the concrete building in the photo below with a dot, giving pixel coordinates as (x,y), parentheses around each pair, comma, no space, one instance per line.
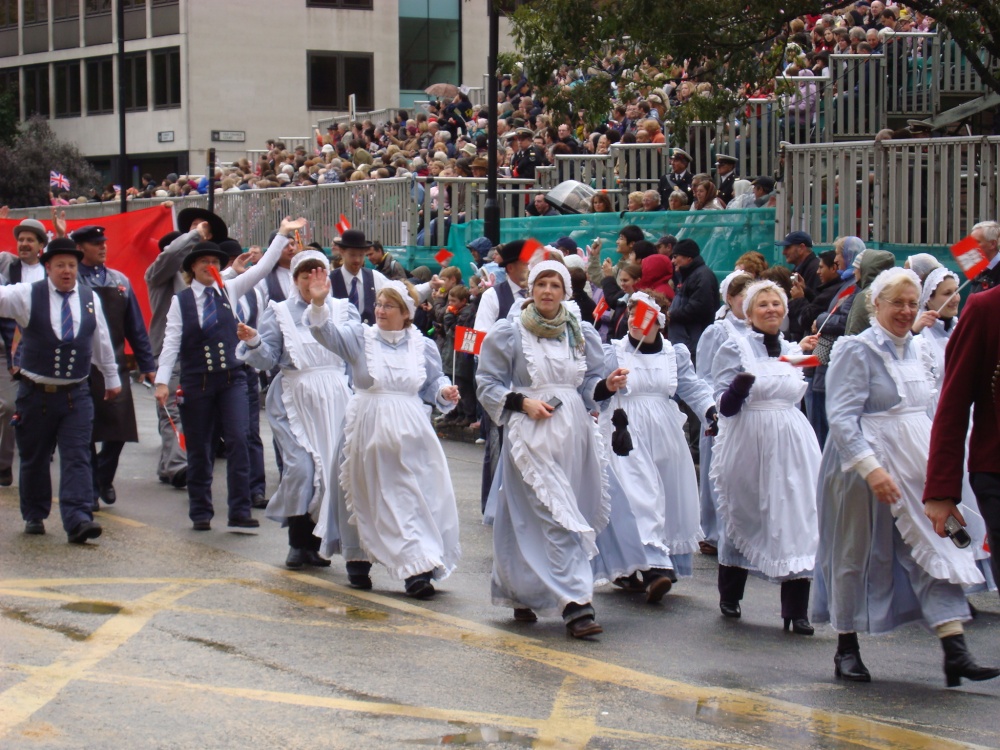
(227,74)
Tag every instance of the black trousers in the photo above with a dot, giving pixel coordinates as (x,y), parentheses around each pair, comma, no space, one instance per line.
(794,593)
(986,486)
(300,534)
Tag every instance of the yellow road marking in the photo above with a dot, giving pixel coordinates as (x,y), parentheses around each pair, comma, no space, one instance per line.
(19,702)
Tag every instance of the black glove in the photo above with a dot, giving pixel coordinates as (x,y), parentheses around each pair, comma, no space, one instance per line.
(712,417)
(732,400)
(621,441)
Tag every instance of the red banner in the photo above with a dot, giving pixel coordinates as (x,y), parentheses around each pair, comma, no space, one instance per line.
(969,257)
(468,340)
(132,242)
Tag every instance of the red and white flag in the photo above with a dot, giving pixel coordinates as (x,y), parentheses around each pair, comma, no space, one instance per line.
(443,256)
(602,307)
(342,225)
(969,257)
(531,246)
(58,180)
(800,360)
(643,317)
(468,340)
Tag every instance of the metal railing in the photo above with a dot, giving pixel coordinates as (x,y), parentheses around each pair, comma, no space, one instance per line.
(923,192)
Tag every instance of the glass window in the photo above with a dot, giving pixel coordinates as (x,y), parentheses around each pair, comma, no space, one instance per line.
(429,40)
(136,86)
(36,90)
(8,13)
(100,86)
(167,78)
(35,11)
(65,9)
(344,4)
(333,76)
(10,84)
(67,88)
(97,7)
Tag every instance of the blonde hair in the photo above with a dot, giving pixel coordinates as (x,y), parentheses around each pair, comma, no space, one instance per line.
(396,298)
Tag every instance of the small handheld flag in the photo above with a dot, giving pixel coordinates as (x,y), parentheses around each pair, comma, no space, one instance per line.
(844,294)
(643,317)
(531,246)
(58,180)
(443,256)
(602,307)
(800,360)
(342,225)
(468,340)
(181,440)
(969,257)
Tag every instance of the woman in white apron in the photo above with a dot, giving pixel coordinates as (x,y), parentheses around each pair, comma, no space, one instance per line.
(541,372)
(765,463)
(729,322)
(880,563)
(654,527)
(306,403)
(934,324)
(394,475)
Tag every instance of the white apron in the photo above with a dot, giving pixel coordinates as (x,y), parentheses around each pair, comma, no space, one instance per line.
(315,397)
(394,473)
(658,476)
(901,439)
(764,465)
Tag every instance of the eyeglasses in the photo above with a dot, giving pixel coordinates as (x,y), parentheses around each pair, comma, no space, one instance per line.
(900,305)
(386,306)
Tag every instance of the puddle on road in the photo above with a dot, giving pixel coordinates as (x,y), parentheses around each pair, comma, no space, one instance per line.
(479,736)
(19,615)
(364,614)
(92,608)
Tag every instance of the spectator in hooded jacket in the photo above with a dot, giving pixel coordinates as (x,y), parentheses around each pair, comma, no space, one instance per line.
(696,296)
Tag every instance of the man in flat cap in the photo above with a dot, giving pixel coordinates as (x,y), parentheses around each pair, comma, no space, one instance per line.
(114,421)
(63,331)
(678,178)
(725,168)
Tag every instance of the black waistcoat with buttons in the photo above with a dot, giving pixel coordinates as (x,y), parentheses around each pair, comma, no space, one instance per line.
(44,353)
(212,351)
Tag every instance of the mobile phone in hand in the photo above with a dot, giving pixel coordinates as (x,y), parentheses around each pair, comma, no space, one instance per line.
(554,402)
(958,534)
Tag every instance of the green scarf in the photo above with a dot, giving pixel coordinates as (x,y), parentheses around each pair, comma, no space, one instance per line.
(553,328)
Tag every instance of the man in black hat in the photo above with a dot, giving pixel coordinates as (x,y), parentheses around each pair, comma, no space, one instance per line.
(352,281)
(201,333)
(114,421)
(26,266)
(763,191)
(528,156)
(163,281)
(63,330)
(696,297)
(678,178)
(798,252)
(725,168)
(494,305)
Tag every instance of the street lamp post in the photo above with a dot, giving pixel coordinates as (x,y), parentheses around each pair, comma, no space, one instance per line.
(491,226)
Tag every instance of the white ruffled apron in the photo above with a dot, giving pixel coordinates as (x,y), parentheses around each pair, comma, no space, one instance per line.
(764,464)
(573,488)
(315,395)
(658,476)
(900,437)
(395,477)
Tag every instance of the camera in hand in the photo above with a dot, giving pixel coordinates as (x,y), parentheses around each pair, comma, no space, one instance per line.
(957,533)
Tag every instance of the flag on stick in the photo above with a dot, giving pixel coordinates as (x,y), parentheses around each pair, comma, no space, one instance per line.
(342,225)
(969,257)
(531,246)
(800,360)
(58,180)
(643,317)
(602,307)
(443,256)
(468,340)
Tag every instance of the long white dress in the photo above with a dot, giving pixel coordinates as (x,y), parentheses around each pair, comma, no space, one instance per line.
(936,339)
(880,566)
(657,479)
(306,406)
(552,500)
(764,466)
(396,484)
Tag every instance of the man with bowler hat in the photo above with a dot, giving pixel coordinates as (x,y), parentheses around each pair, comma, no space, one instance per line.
(63,330)
(114,421)
(201,333)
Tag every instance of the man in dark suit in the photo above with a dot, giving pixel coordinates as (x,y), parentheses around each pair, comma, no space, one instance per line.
(679,178)
(725,167)
(987,234)
(971,380)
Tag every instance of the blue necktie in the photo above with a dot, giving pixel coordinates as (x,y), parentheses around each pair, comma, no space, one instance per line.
(241,316)
(352,296)
(67,317)
(211,312)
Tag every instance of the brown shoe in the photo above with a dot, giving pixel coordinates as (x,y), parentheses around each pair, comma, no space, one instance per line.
(657,589)
(525,615)
(708,549)
(584,627)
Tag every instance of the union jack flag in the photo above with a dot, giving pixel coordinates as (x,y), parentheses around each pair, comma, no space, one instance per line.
(58,180)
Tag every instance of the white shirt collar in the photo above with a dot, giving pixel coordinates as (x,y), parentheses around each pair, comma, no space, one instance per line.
(52,287)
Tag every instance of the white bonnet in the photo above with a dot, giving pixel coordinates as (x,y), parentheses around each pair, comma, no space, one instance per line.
(934,278)
(762,286)
(400,287)
(551,265)
(890,275)
(305,255)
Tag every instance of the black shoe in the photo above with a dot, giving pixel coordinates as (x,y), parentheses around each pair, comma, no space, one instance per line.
(180,479)
(524,614)
(420,587)
(313,558)
(657,589)
(6,477)
(34,527)
(258,501)
(202,525)
(731,609)
(108,494)
(295,559)
(800,626)
(243,525)
(584,627)
(361,581)
(847,665)
(164,479)
(84,531)
(96,507)
(631,584)
(958,663)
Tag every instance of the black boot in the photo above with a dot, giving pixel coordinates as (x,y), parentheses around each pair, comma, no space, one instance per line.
(732,582)
(359,574)
(795,605)
(958,663)
(847,664)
